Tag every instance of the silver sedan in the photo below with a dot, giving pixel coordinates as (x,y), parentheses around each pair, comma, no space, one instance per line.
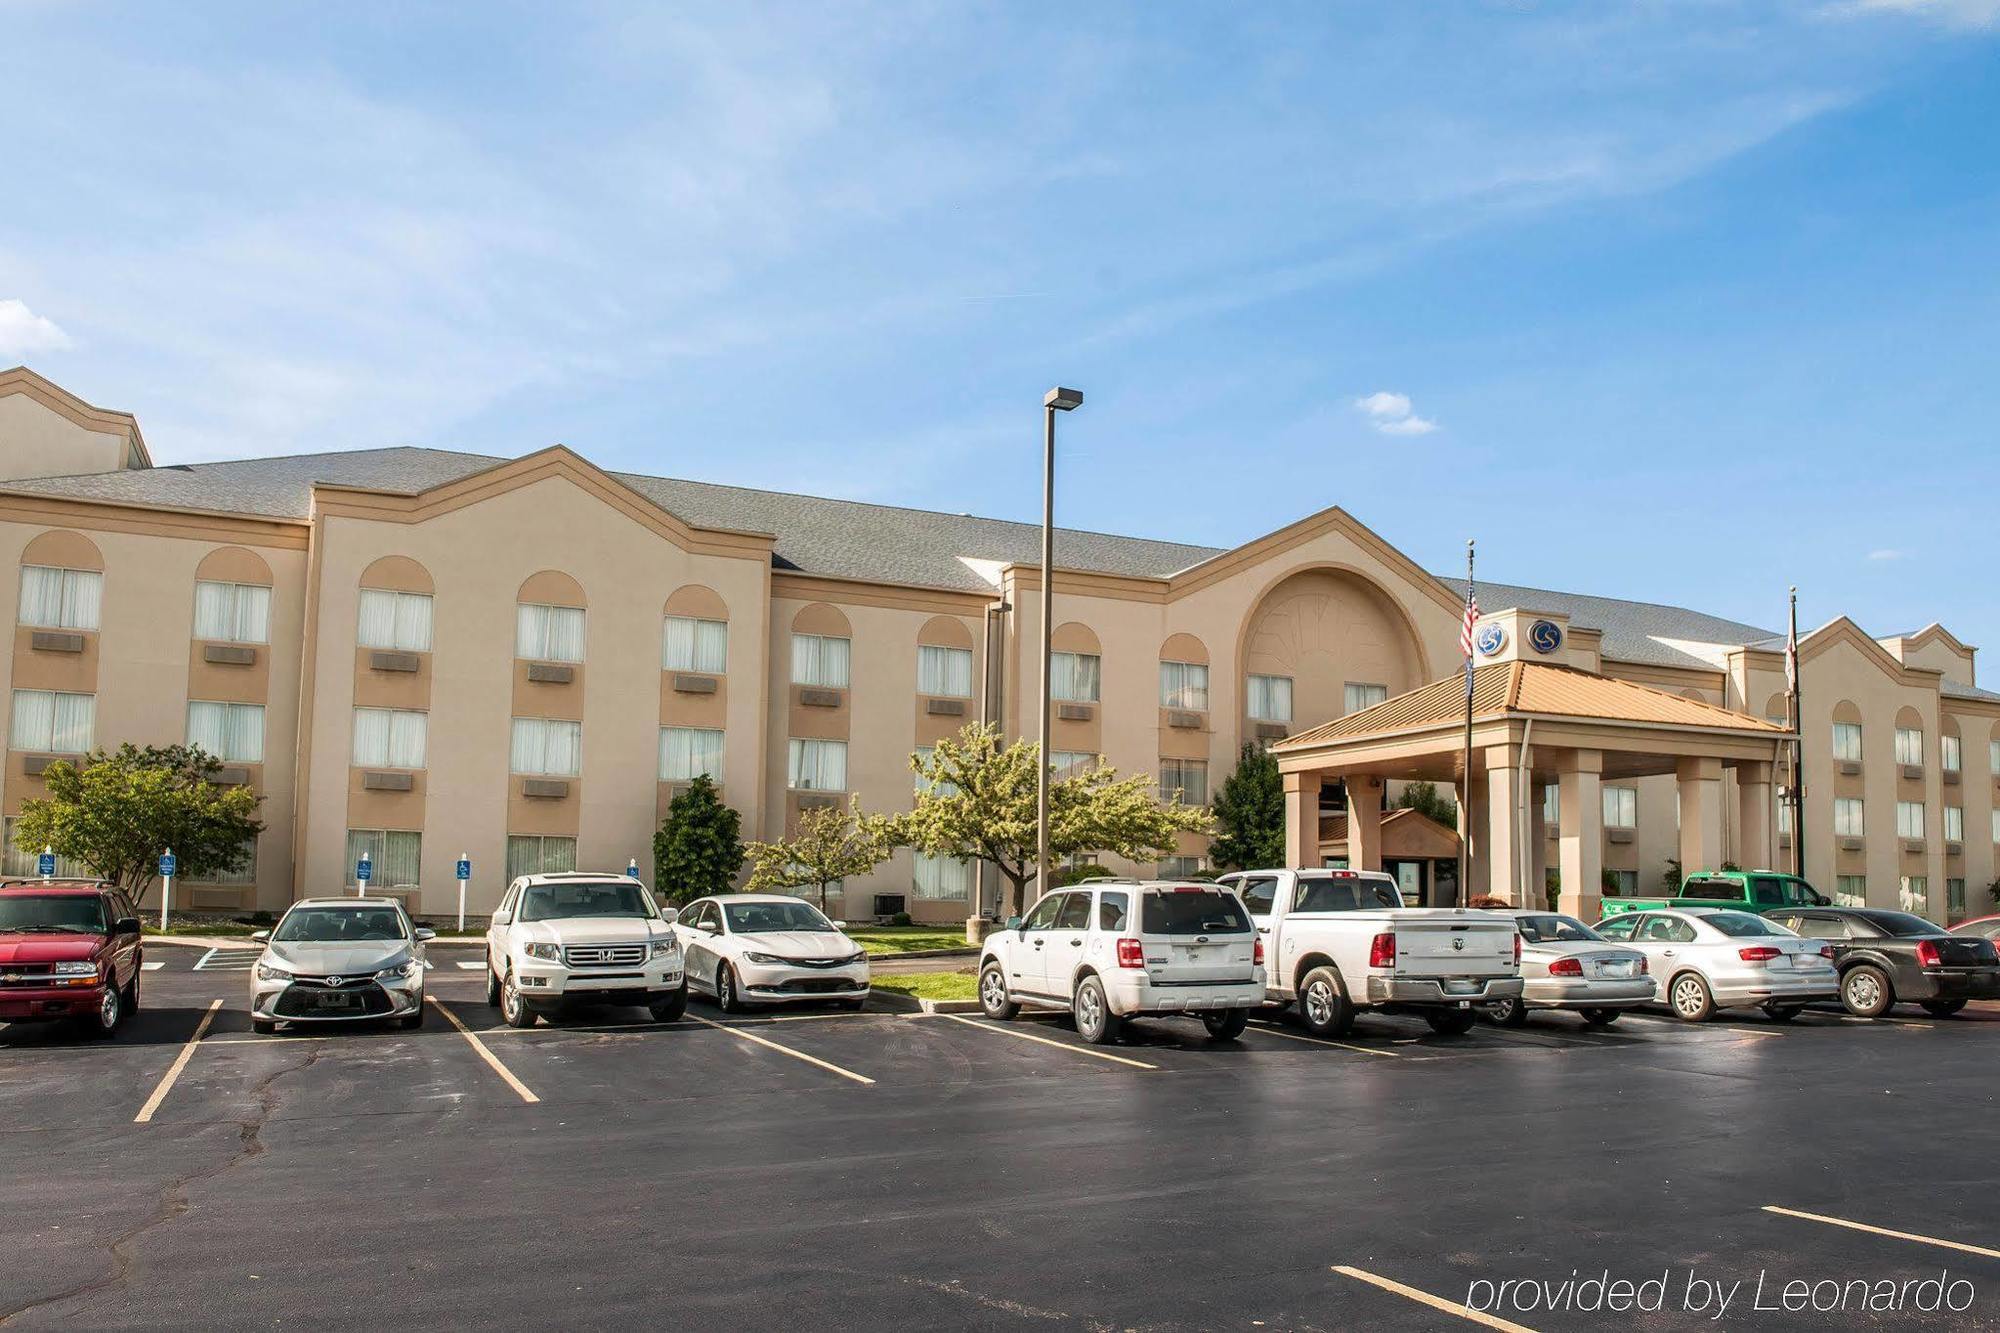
(1567,965)
(339,959)
(1710,958)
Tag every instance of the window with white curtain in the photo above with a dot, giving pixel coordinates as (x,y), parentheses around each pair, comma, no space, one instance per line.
(232,612)
(1180,867)
(690,752)
(1784,816)
(1849,818)
(390,737)
(23,861)
(1951,756)
(1359,696)
(1075,677)
(537,855)
(53,721)
(546,747)
(396,620)
(817,766)
(548,633)
(1184,685)
(945,878)
(60,598)
(245,871)
(1954,823)
(695,645)
(1993,757)
(1621,807)
(1551,805)
(1847,741)
(1850,891)
(820,660)
(940,787)
(946,672)
(1909,819)
(1954,898)
(1271,698)
(395,857)
(1069,763)
(233,733)
(1184,780)
(1913,894)
(1909,745)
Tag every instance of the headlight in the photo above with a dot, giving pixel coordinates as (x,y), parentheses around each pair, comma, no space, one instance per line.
(265,972)
(81,967)
(767,960)
(861,957)
(666,948)
(548,951)
(401,972)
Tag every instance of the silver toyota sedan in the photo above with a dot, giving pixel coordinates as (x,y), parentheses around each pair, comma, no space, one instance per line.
(335,960)
(1567,965)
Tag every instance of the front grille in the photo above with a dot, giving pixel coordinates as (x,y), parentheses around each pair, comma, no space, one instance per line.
(26,974)
(309,998)
(817,986)
(821,962)
(604,955)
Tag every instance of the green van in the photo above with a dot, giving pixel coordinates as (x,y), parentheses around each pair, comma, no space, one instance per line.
(1745,890)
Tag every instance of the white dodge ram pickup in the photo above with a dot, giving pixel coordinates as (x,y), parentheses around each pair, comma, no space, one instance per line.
(1340,941)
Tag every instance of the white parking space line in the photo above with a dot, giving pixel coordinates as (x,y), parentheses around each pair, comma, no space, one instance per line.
(464,966)
(1059,1045)
(1323,1041)
(491,1059)
(226,960)
(152,967)
(1958,1245)
(1425,1298)
(166,1083)
(783,1050)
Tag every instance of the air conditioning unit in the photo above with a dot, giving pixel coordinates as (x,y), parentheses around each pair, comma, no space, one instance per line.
(891,904)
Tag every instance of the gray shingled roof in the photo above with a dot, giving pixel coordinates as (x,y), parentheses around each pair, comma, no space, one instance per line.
(1951,689)
(1632,630)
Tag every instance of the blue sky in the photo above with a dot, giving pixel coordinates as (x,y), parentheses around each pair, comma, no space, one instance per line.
(1682,301)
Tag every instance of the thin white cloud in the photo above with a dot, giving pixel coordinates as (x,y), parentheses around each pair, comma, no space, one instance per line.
(1946,13)
(1887,553)
(23,332)
(1392,414)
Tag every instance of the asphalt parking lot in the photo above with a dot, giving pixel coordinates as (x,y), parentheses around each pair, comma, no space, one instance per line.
(884,1169)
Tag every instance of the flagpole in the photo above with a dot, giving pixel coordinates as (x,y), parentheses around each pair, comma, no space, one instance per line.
(1465,791)
(1797,794)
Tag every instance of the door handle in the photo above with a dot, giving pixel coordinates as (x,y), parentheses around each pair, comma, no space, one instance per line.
(1666,953)
(1038,944)
(1263,930)
(1076,944)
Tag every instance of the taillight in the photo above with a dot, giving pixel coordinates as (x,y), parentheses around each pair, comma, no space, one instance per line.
(1644,970)
(1561,967)
(1757,953)
(1131,953)
(1927,954)
(1826,952)
(1257,951)
(1517,952)
(1382,950)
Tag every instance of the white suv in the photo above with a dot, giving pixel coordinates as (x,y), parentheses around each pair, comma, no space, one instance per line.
(1117,949)
(581,937)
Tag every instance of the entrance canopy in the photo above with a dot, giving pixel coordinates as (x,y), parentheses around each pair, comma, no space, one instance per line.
(1534,723)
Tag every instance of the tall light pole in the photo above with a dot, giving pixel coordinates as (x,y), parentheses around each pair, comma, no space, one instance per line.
(1056,400)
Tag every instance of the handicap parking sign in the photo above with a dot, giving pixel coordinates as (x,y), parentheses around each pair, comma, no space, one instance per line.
(364,871)
(45,864)
(464,869)
(167,864)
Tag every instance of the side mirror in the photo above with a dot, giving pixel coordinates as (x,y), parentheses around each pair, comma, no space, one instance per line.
(670,914)
(840,925)
(1013,923)
(502,918)
(126,925)
(260,935)
(425,934)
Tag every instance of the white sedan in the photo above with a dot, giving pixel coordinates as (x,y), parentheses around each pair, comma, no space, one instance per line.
(1567,965)
(766,948)
(1705,958)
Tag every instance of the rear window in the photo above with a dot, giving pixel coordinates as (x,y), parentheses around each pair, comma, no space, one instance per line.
(1742,924)
(1906,924)
(1345,895)
(1192,912)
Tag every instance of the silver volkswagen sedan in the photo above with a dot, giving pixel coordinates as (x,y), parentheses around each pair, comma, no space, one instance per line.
(338,960)
(1567,965)
(1710,958)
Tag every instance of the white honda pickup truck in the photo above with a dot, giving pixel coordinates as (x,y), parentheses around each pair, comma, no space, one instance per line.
(1340,941)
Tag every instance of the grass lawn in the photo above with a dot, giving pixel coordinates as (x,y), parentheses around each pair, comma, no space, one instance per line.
(888,941)
(931,985)
(217,928)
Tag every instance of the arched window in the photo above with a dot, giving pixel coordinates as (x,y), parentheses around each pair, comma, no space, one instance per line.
(549,618)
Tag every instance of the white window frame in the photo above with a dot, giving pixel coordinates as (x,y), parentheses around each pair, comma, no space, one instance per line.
(1076,678)
(79,598)
(535,632)
(382,868)
(541,865)
(707,646)
(1913,894)
(529,747)
(230,751)
(1359,694)
(1847,746)
(809,758)
(1850,891)
(1954,823)
(1261,693)
(1184,685)
(60,702)
(409,620)
(1910,745)
(245,611)
(1909,819)
(939,669)
(1951,753)
(1621,807)
(818,664)
(700,740)
(405,736)
(1850,817)
(1174,785)
(941,878)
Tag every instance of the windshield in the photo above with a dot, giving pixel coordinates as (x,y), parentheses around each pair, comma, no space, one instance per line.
(557,902)
(339,925)
(1346,894)
(763,918)
(1554,929)
(1192,912)
(1742,924)
(49,913)
(1906,924)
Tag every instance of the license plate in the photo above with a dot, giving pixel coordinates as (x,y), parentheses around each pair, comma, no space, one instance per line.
(1622,968)
(336,1000)
(1457,986)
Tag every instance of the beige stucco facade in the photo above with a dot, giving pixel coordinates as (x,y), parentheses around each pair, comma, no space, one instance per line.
(1322,604)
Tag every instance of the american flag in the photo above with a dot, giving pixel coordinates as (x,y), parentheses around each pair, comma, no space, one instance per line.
(1471,619)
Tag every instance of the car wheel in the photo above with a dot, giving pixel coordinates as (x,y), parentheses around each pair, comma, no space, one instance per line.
(263,1027)
(1323,1004)
(132,993)
(725,990)
(1095,1022)
(1600,1018)
(1865,991)
(513,1008)
(669,1007)
(110,1013)
(1509,1013)
(492,986)
(1690,999)
(993,1001)
(1783,1013)
(1226,1024)
(1451,1022)
(1943,1008)
(413,1019)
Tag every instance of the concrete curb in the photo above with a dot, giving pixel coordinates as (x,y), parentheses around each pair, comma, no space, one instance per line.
(967,952)
(950,1006)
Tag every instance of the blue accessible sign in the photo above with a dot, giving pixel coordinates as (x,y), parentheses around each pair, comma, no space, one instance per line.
(464,868)
(364,870)
(45,864)
(167,864)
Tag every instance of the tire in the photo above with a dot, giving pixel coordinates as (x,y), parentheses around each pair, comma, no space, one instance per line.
(1600,1018)
(993,1001)
(411,1021)
(513,1008)
(1783,1013)
(725,990)
(1451,1022)
(1943,1008)
(263,1027)
(132,993)
(1095,1022)
(1512,1013)
(670,1007)
(1226,1024)
(110,1014)
(1690,998)
(1323,1004)
(492,986)
(1866,992)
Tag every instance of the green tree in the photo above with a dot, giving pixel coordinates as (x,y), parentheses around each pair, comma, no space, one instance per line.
(1423,798)
(116,812)
(832,844)
(1250,814)
(1671,877)
(698,847)
(977,798)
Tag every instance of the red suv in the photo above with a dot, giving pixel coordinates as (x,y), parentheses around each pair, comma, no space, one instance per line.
(68,949)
